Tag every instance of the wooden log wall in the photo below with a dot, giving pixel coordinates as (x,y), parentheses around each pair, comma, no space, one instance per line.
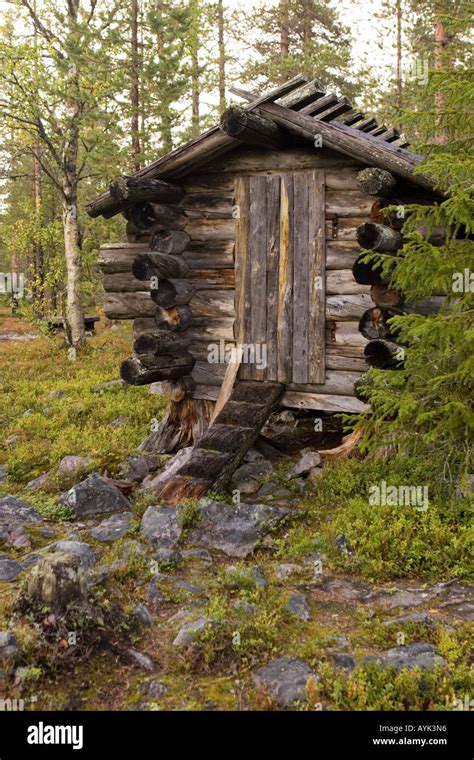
(195,302)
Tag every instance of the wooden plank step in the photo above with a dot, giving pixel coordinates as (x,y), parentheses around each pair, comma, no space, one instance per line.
(220,450)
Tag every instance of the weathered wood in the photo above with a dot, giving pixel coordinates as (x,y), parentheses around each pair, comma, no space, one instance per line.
(241,251)
(160,342)
(210,279)
(173,365)
(176,319)
(252,160)
(365,273)
(342,228)
(182,425)
(252,128)
(176,390)
(169,241)
(161,265)
(302,96)
(211,229)
(213,303)
(347,306)
(336,382)
(378,237)
(340,358)
(219,452)
(344,178)
(323,402)
(119,258)
(272,266)
(285,282)
(317,278)
(128,305)
(384,354)
(348,203)
(375,181)
(340,258)
(150,215)
(257,243)
(133,372)
(303,243)
(123,282)
(227,386)
(342,282)
(374,322)
(351,142)
(382,295)
(344,333)
(171,293)
(140,190)
(210,254)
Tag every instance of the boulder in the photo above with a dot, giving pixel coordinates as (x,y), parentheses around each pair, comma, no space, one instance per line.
(113,527)
(10,569)
(15,512)
(418,655)
(161,527)
(38,483)
(142,615)
(78,549)
(287,569)
(73,463)
(135,468)
(297,605)
(9,647)
(307,462)
(94,496)
(285,680)
(247,477)
(57,581)
(235,529)
(142,660)
(190,631)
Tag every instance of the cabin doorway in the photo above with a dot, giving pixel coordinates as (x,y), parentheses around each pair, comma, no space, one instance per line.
(280,276)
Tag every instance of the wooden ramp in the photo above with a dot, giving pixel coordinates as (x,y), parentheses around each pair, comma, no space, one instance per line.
(222,447)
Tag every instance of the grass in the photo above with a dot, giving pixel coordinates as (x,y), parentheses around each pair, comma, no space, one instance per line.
(38,429)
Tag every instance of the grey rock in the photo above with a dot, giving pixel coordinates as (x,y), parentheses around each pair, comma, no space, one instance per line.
(297,605)
(253,455)
(135,468)
(241,605)
(200,556)
(38,483)
(58,581)
(190,631)
(110,385)
(343,661)
(3,472)
(30,560)
(161,527)
(390,600)
(18,538)
(119,421)
(155,596)
(419,655)
(73,463)
(47,532)
(78,549)
(14,512)
(94,496)
(142,615)
(9,647)
(421,618)
(287,569)
(167,559)
(343,544)
(56,394)
(307,462)
(235,529)
(113,528)
(285,680)
(9,570)
(348,590)
(189,588)
(142,660)
(247,477)
(155,389)
(314,475)
(156,689)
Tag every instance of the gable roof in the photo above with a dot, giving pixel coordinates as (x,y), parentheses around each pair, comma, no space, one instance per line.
(301,108)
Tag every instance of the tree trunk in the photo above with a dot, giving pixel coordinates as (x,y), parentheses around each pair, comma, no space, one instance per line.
(74,309)
(222,61)
(284,29)
(399,60)
(134,88)
(39,258)
(195,93)
(441,41)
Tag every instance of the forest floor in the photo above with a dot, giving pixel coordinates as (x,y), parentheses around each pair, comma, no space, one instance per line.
(303,595)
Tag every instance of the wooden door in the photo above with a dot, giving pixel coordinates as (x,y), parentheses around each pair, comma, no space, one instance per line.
(280,282)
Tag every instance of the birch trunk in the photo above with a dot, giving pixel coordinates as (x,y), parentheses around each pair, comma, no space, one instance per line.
(74,308)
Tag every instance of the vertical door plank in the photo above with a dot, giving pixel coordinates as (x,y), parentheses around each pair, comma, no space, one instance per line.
(301,287)
(243,267)
(258,271)
(285,282)
(273,246)
(317,279)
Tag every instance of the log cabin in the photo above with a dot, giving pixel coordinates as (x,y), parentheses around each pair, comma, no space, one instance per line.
(243,275)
